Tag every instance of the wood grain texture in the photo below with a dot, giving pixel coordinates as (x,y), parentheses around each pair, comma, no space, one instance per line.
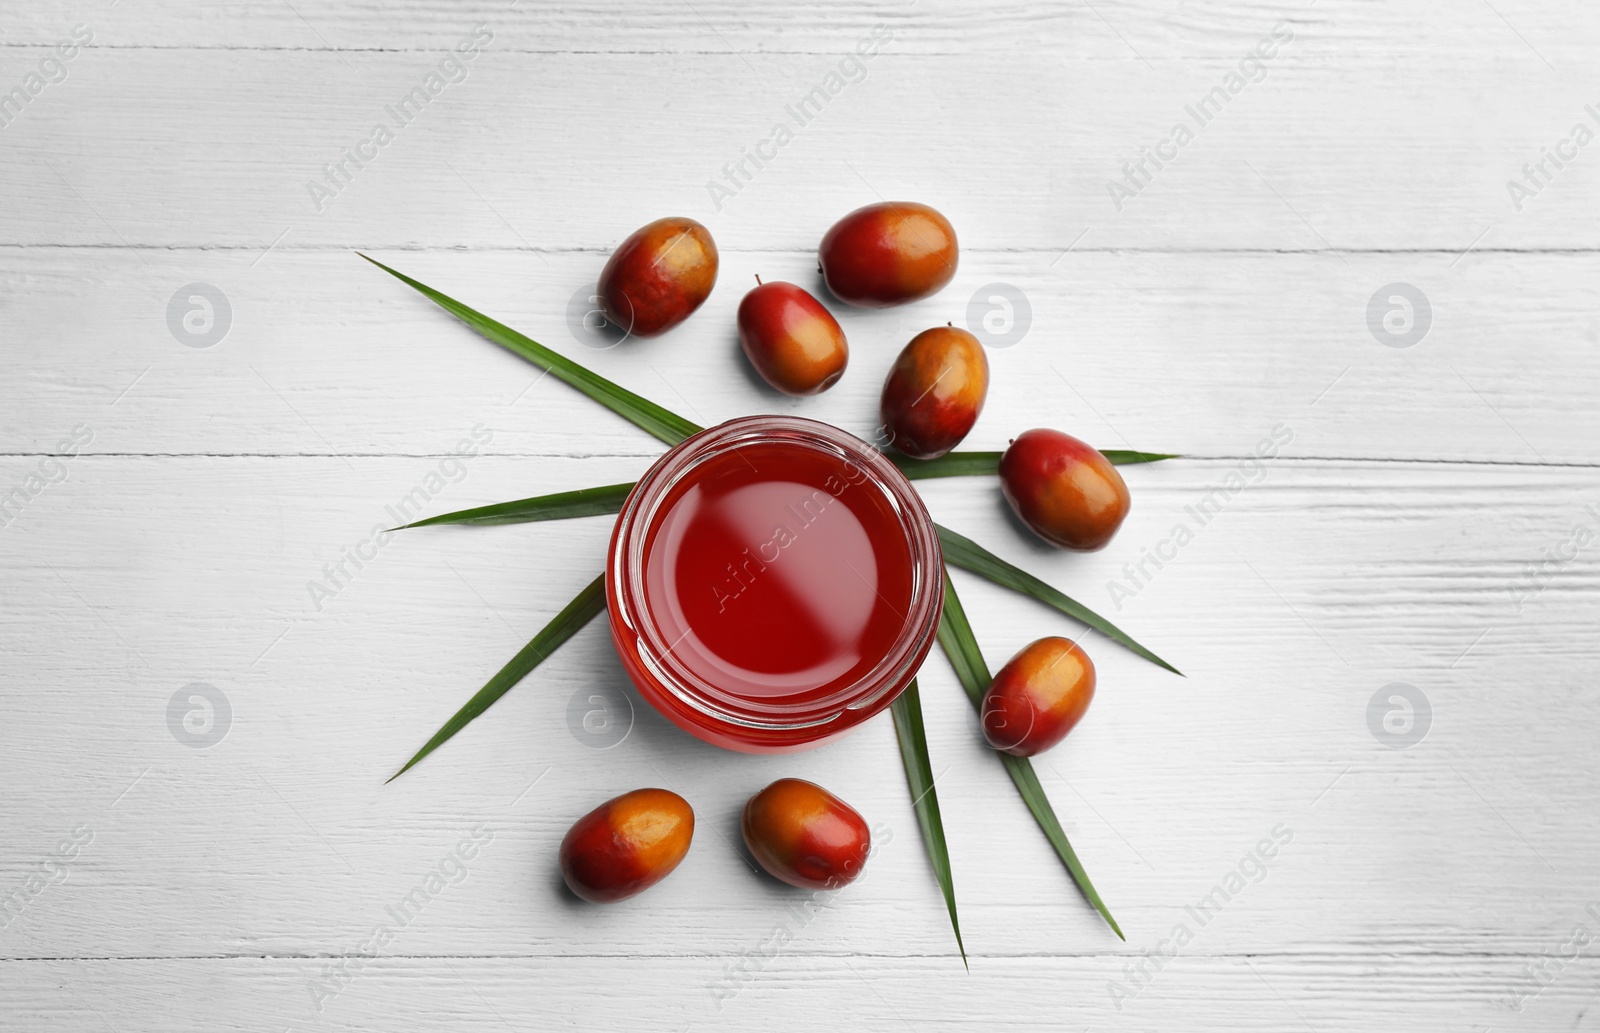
(1198,354)
(218,148)
(785,991)
(1160,30)
(173,516)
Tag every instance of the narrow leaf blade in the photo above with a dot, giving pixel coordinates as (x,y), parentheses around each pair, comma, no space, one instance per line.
(647,415)
(1128,457)
(969,555)
(978,464)
(961,646)
(586,607)
(951,464)
(560,506)
(1027,781)
(907,712)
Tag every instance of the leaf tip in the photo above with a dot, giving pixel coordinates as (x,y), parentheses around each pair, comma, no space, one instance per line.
(377,263)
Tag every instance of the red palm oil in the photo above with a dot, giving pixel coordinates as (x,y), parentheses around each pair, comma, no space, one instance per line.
(773,582)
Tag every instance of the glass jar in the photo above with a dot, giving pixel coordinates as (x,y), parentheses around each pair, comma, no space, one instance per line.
(773,582)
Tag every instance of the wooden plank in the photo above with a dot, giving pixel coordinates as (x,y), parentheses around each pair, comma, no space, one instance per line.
(1161,31)
(782,990)
(1198,354)
(227,149)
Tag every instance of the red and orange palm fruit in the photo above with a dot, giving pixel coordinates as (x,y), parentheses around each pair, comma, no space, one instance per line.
(1037,697)
(791,339)
(626,845)
(658,276)
(806,836)
(1063,489)
(888,254)
(934,392)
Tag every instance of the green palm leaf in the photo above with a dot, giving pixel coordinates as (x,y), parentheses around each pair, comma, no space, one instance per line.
(1128,457)
(977,464)
(583,609)
(609,498)
(907,712)
(969,555)
(959,644)
(951,464)
(560,506)
(666,425)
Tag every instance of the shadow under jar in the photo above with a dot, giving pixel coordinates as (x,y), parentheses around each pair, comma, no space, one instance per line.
(772,583)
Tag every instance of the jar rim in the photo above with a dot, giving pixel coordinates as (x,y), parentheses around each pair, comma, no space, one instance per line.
(870,692)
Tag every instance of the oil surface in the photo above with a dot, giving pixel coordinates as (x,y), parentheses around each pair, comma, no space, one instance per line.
(776,570)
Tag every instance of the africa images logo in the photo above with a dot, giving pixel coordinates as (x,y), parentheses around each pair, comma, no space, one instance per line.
(851,69)
(451,69)
(1251,69)
(52,69)
(1538,174)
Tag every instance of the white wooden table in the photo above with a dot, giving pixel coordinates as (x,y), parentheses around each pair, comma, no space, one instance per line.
(178,498)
